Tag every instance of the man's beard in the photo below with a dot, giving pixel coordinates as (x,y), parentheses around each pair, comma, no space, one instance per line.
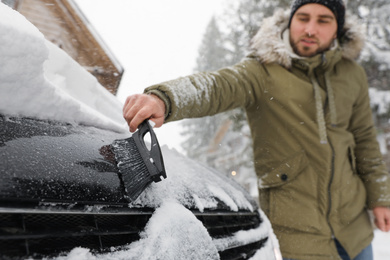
(305,49)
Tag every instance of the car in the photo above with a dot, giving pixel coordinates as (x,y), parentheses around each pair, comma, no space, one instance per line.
(62,193)
(60,188)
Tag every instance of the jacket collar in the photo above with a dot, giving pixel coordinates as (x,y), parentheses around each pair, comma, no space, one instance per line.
(270,44)
(324,61)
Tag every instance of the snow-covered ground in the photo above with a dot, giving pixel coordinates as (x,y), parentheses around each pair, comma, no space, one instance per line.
(381,245)
(39,80)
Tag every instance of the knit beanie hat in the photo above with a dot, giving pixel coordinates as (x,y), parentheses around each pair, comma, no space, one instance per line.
(336,6)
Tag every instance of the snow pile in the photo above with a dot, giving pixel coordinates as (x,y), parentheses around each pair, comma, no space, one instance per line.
(173,232)
(39,80)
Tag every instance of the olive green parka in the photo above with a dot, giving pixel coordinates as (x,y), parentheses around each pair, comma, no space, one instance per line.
(315,151)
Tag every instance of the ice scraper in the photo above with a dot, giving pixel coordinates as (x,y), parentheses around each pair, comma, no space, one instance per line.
(138,164)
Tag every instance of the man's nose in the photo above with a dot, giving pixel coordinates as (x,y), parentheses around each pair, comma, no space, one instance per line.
(311,28)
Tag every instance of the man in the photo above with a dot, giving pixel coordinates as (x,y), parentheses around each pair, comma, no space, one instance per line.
(307,104)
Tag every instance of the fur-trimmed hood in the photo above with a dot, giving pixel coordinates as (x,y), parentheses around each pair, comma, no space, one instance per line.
(269,47)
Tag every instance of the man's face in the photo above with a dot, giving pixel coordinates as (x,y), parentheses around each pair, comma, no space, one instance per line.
(313,29)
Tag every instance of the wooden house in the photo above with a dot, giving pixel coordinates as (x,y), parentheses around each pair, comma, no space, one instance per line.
(63,23)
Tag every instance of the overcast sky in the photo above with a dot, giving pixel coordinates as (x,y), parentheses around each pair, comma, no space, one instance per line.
(154,40)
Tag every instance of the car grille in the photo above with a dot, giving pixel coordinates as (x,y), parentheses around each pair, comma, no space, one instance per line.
(225,224)
(45,233)
(48,233)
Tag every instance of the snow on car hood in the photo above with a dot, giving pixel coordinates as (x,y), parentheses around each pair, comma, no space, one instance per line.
(37,79)
(195,186)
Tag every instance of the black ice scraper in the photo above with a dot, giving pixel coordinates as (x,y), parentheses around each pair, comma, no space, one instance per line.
(139,165)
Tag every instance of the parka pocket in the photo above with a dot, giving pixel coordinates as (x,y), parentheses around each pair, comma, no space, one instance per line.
(353,196)
(286,172)
(289,195)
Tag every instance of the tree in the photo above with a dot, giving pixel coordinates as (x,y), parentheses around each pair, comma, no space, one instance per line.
(211,52)
(200,132)
(376,55)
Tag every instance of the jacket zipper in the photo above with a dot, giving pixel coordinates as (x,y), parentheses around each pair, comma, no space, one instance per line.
(329,189)
(332,168)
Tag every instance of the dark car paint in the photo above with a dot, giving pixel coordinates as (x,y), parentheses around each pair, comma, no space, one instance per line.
(52,161)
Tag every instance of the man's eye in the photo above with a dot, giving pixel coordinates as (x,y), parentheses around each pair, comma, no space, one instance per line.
(323,21)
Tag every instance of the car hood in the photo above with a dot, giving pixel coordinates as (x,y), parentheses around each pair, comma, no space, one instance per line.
(47,162)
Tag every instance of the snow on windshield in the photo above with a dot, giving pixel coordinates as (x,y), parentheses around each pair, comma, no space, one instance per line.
(37,79)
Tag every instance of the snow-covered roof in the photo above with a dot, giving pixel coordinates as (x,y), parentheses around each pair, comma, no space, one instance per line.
(37,79)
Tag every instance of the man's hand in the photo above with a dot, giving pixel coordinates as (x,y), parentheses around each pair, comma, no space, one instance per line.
(382,218)
(139,107)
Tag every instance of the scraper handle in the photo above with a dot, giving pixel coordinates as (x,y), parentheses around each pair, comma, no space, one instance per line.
(153,157)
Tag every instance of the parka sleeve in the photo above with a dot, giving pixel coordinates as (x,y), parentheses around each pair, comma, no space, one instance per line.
(209,93)
(369,161)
